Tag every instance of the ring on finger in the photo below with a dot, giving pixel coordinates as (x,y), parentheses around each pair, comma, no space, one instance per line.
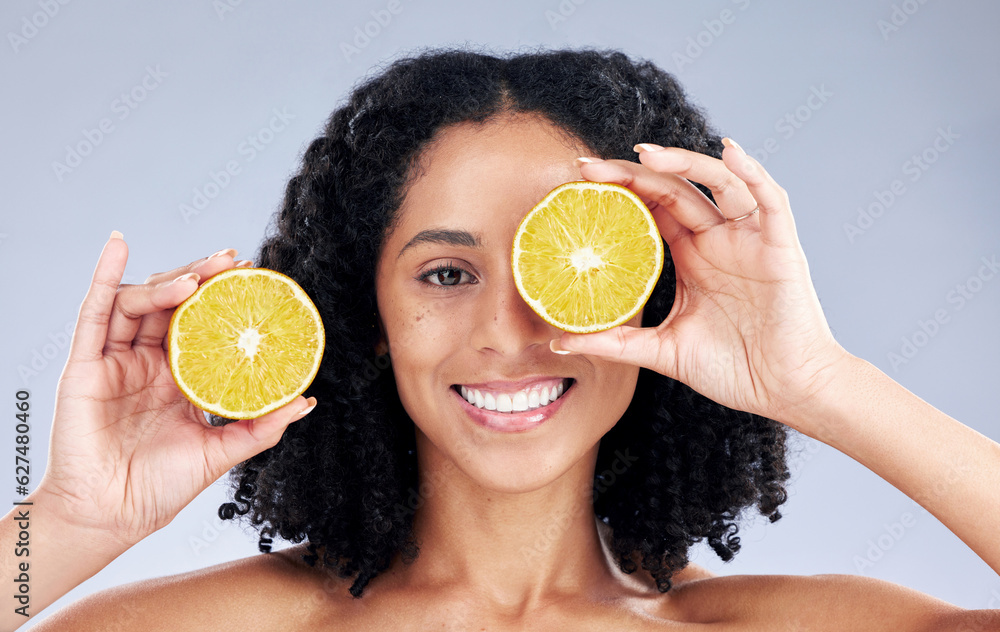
(755,210)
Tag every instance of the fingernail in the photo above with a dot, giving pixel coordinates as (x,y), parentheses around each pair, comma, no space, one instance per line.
(116,235)
(729,142)
(187,277)
(555,347)
(308,409)
(647,147)
(228,251)
(246,263)
(584,160)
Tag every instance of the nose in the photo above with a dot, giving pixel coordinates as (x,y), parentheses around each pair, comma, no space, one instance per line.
(506,324)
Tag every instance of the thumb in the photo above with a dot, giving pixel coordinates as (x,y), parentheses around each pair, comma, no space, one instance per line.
(243,439)
(642,346)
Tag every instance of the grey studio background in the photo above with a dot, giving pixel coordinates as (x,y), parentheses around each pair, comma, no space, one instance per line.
(879,118)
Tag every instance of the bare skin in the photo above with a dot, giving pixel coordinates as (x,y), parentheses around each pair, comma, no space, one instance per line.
(497,496)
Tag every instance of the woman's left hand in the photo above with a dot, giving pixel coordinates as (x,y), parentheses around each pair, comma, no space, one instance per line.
(746,328)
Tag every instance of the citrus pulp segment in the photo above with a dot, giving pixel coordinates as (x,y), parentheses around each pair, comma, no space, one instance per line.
(587,257)
(248,341)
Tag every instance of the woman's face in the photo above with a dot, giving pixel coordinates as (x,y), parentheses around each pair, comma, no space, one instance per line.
(452,315)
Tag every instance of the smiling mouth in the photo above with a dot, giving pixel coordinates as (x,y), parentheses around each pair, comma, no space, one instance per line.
(523,400)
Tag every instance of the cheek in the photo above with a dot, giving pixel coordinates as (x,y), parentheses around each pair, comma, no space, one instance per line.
(412,340)
(423,334)
(419,330)
(620,380)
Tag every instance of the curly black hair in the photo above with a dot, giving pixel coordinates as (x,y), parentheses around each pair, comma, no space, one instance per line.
(344,478)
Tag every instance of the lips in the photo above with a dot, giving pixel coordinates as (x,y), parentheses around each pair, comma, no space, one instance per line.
(515,421)
(535,395)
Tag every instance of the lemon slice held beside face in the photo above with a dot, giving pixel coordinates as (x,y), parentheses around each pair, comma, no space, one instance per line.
(248,341)
(587,257)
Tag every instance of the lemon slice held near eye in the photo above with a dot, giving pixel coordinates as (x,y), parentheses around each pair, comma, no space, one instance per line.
(248,341)
(587,257)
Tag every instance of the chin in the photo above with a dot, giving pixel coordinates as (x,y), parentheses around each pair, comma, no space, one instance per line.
(518,444)
(521,472)
(522,462)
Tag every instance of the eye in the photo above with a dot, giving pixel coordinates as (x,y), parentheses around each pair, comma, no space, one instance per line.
(445,276)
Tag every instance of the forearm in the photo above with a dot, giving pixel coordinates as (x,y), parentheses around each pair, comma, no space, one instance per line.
(44,556)
(950,469)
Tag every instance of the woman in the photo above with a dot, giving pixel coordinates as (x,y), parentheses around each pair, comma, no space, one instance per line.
(415,507)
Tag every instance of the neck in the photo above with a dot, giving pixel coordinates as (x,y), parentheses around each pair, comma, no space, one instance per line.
(512,550)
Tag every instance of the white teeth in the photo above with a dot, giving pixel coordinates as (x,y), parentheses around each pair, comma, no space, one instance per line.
(533,399)
(518,402)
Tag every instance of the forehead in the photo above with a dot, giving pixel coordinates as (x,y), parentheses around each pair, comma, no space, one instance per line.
(484,175)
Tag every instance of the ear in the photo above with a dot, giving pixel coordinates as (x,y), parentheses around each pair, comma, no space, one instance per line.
(382,347)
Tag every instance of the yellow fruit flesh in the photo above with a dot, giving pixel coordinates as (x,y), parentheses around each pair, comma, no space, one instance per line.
(588,257)
(246,346)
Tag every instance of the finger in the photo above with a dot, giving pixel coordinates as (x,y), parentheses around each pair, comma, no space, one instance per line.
(238,441)
(152,331)
(776,223)
(648,347)
(142,308)
(207,267)
(95,311)
(676,204)
(731,194)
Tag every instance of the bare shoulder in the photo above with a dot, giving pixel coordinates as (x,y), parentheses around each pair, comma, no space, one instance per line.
(689,573)
(822,602)
(262,592)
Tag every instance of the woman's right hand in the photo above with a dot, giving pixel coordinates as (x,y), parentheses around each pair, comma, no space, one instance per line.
(128,450)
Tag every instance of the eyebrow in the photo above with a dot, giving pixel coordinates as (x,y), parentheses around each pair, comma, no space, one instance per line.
(443,236)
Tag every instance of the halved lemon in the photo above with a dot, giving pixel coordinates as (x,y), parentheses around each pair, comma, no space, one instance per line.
(248,341)
(587,257)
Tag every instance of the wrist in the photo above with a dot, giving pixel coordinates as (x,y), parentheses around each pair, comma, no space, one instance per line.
(52,552)
(823,413)
(69,525)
